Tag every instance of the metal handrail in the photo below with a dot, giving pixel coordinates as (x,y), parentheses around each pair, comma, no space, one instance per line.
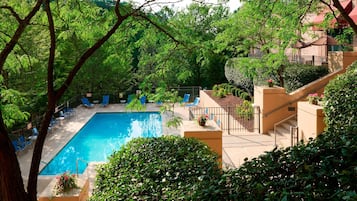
(275,125)
(80,159)
(292,128)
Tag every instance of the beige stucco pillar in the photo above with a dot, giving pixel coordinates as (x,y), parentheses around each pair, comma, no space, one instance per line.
(310,120)
(274,104)
(210,134)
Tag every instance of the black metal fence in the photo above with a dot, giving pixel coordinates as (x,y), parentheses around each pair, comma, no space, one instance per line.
(228,120)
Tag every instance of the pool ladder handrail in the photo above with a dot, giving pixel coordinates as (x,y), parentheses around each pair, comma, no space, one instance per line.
(80,159)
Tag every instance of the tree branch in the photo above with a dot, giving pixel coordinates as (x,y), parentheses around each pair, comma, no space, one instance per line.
(20,29)
(339,7)
(139,14)
(12,11)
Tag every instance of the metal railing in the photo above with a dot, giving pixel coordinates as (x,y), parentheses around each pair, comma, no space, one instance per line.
(77,160)
(294,133)
(227,118)
(280,122)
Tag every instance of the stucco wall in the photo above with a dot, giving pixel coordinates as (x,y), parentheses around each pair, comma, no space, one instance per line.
(310,120)
(338,60)
(276,105)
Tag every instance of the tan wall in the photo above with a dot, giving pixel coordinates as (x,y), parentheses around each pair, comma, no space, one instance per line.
(276,105)
(210,134)
(206,101)
(310,120)
(272,101)
(338,60)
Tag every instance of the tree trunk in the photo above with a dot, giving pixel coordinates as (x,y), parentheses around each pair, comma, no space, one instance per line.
(11,183)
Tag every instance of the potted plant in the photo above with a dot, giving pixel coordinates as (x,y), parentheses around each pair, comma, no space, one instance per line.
(64,183)
(202,120)
(270,83)
(314,98)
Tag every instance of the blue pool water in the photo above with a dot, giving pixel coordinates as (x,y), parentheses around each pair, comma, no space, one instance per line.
(103,134)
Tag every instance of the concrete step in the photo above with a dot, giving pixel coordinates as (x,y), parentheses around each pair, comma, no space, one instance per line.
(292,122)
(283,136)
(286,125)
(282,131)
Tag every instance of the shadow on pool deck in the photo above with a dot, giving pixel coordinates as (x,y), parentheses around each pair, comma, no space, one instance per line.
(235,148)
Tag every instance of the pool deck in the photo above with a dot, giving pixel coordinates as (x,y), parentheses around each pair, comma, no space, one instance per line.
(235,147)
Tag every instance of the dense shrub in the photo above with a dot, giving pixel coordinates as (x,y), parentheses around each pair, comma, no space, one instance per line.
(340,99)
(240,72)
(245,110)
(236,75)
(324,169)
(297,75)
(165,168)
(222,90)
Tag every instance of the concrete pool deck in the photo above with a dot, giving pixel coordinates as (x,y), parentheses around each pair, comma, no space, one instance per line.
(235,147)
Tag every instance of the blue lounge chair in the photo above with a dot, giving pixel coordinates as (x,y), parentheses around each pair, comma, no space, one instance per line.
(34,131)
(105,100)
(86,102)
(68,111)
(34,135)
(22,142)
(186,98)
(130,98)
(143,100)
(195,102)
(159,103)
(17,146)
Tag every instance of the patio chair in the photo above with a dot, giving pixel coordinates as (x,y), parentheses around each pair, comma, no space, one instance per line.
(23,143)
(105,100)
(186,98)
(130,98)
(143,100)
(34,135)
(17,145)
(86,102)
(68,111)
(195,103)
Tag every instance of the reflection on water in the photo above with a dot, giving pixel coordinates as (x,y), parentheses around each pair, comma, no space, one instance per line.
(103,134)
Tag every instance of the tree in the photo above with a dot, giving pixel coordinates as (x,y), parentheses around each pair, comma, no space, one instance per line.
(194,62)
(269,32)
(23,13)
(268,28)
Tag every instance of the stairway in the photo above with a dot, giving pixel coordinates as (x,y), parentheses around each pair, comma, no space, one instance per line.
(283,136)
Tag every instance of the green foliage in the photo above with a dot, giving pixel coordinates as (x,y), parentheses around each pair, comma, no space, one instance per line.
(340,102)
(192,62)
(222,90)
(298,75)
(10,105)
(165,168)
(245,110)
(135,104)
(323,169)
(268,32)
(241,73)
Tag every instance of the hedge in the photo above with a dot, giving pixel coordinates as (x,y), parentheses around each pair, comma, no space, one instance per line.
(165,168)
(340,101)
(296,76)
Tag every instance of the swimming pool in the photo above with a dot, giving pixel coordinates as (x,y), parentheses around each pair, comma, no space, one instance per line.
(100,136)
